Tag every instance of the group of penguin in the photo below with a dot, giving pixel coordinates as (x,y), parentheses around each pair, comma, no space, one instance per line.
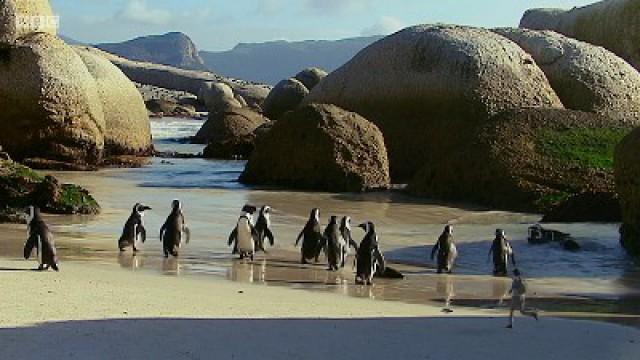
(248,237)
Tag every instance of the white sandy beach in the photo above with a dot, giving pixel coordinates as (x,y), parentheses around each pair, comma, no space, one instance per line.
(89,311)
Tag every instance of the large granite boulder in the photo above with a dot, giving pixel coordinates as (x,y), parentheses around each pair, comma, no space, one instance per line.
(51,106)
(230,133)
(310,77)
(429,87)
(527,160)
(169,107)
(285,96)
(585,77)
(190,81)
(612,24)
(320,147)
(627,175)
(218,96)
(127,127)
(22,17)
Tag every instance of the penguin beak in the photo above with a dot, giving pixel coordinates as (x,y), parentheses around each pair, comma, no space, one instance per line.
(363,226)
(145,208)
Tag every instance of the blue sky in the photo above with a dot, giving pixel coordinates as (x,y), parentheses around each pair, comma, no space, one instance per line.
(221,24)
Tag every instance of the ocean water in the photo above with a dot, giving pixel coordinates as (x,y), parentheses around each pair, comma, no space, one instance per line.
(407,228)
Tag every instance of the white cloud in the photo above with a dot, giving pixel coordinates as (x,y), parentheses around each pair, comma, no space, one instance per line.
(384,26)
(337,6)
(138,11)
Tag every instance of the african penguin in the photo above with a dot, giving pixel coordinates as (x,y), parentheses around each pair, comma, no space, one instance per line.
(446,250)
(368,257)
(263,228)
(311,238)
(174,230)
(334,244)
(502,252)
(244,235)
(345,230)
(134,230)
(40,238)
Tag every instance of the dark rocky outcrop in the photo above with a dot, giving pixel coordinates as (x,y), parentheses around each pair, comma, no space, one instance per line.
(285,96)
(612,24)
(585,77)
(627,174)
(527,160)
(21,187)
(320,147)
(432,87)
(586,207)
(173,49)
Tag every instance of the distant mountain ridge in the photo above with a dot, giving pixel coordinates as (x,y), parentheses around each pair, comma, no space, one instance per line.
(272,61)
(173,49)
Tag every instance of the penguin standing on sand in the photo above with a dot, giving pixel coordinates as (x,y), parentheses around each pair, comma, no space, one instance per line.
(446,250)
(244,235)
(334,245)
(345,230)
(174,231)
(368,258)
(502,252)
(40,238)
(311,238)
(263,228)
(134,230)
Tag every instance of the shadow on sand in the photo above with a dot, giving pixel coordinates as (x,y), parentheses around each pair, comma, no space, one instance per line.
(382,338)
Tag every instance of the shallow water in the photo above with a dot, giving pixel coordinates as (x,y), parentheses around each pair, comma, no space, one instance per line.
(407,227)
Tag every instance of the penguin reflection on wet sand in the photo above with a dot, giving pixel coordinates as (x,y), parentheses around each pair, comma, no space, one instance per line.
(134,230)
(311,236)
(263,228)
(40,238)
(368,259)
(174,231)
(446,251)
(244,235)
(334,244)
(502,252)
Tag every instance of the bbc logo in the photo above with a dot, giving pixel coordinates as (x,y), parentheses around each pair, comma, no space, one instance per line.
(37,23)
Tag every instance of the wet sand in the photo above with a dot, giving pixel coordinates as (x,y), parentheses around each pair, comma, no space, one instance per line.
(98,312)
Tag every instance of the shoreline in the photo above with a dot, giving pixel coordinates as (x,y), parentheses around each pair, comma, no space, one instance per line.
(99,311)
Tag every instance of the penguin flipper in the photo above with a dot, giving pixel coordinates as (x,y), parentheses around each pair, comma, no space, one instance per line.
(162,230)
(31,243)
(269,235)
(233,236)
(187,233)
(143,233)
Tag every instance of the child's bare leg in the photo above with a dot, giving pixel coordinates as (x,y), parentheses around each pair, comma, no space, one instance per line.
(527,312)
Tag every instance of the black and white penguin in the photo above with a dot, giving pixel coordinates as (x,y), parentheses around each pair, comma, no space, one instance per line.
(263,228)
(446,250)
(334,245)
(134,230)
(174,230)
(368,258)
(312,239)
(41,239)
(244,235)
(502,252)
(345,230)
